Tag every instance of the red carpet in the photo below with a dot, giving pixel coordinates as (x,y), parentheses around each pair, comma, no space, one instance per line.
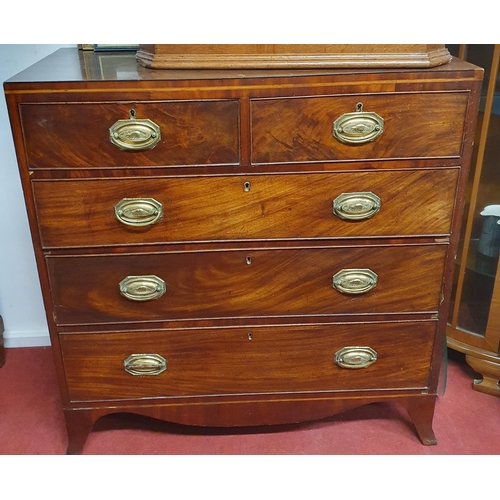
(31,423)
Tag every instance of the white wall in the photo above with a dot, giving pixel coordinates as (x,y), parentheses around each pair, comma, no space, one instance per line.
(20,298)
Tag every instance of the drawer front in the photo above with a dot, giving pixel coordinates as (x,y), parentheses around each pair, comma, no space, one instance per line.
(82,213)
(244,361)
(245,283)
(78,135)
(413,126)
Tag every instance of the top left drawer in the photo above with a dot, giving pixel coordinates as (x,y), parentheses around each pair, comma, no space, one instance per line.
(143,134)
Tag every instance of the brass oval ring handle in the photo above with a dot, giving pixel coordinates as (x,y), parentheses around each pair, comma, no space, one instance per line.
(138,212)
(359,127)
(142,288)
(355,357)
(355,281)
(145,364)
(356,206)
(134,134)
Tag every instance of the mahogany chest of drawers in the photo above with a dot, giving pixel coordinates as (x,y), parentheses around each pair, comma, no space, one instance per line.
(228,248)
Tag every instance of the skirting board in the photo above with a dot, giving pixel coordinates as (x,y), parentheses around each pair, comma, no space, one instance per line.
(26,339)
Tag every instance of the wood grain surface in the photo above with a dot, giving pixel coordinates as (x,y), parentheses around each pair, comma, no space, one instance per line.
(224,361)
(415,125)
(219,284)
(76,135)
(80,213)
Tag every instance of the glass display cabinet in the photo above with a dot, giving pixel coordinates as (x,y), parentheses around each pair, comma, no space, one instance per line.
(474,320)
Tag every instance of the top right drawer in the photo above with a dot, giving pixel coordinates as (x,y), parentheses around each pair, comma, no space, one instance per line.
(358,127)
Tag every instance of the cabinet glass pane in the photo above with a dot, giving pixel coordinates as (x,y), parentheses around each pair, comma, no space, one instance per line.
(483,245)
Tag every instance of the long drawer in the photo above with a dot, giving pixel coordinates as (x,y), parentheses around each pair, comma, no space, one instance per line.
(77,135)
(288,359)
(77,213)
(245,283)
(368,126)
